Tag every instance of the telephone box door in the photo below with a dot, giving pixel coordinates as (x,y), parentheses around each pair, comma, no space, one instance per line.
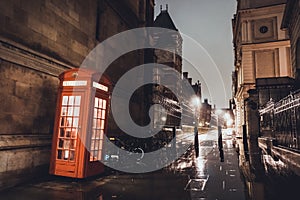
(68,153)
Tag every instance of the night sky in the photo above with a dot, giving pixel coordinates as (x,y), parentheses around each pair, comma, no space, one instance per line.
(208,22)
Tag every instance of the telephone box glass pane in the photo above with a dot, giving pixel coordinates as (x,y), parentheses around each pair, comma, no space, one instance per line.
(96,102)
(60,143)
(59,154)
(63,111)
(76,111)
(103,114)
(68,128)
(71,100)
(69,122)
(104,104)
(98,129)
(65,100)
(77,100)
(72,155)
(62,132)
(100,103)
(70,111)
(102,124)
(75,122)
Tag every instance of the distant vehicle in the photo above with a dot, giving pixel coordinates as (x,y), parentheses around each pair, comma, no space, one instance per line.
(228,132)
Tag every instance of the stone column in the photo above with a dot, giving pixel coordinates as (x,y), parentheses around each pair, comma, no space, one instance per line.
(252,126)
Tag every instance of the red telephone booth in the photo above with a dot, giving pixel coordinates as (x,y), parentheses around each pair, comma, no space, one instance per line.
(80,124)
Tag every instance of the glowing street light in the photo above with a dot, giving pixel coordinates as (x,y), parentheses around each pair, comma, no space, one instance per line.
(196,102)
(227,116)
(228,119)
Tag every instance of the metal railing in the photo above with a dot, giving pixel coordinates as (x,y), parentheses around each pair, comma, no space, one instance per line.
(281,121)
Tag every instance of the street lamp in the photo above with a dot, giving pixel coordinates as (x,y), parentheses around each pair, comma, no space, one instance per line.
(220,139)
(219,112)
(228,120)
(196,105)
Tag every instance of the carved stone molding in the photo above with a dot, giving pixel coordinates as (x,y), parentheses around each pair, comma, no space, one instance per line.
(26,57)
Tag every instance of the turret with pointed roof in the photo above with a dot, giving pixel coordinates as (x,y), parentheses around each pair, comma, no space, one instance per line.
(172,42)
(164,20)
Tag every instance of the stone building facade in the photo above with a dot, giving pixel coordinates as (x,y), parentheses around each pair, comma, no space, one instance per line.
(266,109)
(291,22)
(262,49)
(205,114)
(171,59)
(38,40)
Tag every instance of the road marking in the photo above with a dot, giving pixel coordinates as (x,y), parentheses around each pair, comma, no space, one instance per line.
(220,168)
(228,162)
(223,185)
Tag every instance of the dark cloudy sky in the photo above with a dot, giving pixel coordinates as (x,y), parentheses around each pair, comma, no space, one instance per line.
(208,22)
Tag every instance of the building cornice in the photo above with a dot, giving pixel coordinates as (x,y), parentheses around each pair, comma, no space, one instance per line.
(26,57)
(262,11)
(243,88)
(265,45)
(262,7)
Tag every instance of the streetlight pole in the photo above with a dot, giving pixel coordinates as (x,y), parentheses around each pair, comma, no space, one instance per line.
(196,104)
(196,140)
(220,139)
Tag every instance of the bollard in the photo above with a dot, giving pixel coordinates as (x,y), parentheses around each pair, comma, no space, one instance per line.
(220,139)
(220,144)
(196,141)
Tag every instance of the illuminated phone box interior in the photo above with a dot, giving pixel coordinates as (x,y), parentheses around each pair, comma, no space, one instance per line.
(80,124)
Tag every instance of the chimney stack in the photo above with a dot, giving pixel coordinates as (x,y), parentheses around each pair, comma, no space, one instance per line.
(190,80)
(185,75)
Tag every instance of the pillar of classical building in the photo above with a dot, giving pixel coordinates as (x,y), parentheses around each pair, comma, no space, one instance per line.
(252,127)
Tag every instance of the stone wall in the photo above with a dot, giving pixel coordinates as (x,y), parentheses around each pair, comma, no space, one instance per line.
(28,94)
(294,31)
(23,158)
(62,29)
(39,39)
(26,97)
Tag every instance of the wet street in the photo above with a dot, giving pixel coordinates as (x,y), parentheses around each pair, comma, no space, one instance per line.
(205,177)
(213,175)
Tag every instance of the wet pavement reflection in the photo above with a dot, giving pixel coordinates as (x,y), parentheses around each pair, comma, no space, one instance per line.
(215,174)
(266,177)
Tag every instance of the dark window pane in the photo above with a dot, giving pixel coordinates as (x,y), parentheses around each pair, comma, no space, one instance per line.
(59,154)
(61,143)
(62,132)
